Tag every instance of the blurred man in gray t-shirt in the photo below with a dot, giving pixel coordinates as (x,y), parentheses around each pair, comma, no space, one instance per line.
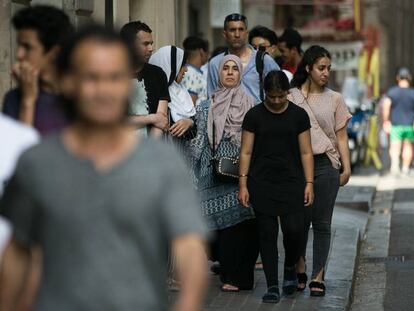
(103,206)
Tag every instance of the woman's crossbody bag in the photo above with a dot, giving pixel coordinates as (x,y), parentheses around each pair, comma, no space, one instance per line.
(226,169)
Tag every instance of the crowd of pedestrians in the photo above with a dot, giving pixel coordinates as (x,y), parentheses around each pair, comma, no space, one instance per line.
(155,160)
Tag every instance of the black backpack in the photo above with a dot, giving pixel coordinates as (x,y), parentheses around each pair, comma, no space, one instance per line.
(260,56)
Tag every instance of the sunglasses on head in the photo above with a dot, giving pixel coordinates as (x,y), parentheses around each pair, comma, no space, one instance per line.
(235,17)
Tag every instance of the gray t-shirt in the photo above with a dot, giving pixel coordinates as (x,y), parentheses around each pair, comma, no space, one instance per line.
(105,236)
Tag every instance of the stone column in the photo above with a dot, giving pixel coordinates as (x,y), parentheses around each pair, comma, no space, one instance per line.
(79,11)
(7,42)
(160,15)
(5,47)
(181,26)
(121,13)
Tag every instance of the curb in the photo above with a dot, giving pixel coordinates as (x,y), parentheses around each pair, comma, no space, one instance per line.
(362,201)
(353,283)
(356,197)
(342,269)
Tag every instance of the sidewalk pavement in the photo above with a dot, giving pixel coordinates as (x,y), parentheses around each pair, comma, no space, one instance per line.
(386,261)
(339,275)
(360,191)
(348,228)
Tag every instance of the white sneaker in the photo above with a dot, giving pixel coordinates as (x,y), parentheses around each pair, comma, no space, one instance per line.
(405,171)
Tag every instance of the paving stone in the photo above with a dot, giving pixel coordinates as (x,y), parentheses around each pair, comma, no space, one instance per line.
(347,225)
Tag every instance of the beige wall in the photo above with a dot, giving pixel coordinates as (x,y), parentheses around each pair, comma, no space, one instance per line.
(160,15)
(98,14)
(7,43)
(181,23)
(260,14)
(5,47)
(121,12)
(56,3)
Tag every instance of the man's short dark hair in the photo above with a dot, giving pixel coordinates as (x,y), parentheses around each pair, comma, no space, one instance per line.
(263,32)
(404,74)
(94,33)
(292,38)
(52,25)
(235,17)
(193,43)
(130,30)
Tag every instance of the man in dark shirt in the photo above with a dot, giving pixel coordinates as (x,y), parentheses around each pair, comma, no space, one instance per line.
(398,117)
(41,31)
(152,77)
(290,46)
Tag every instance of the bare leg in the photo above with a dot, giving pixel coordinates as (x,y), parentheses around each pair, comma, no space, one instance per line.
(301,266)
(395,154)
(407,155)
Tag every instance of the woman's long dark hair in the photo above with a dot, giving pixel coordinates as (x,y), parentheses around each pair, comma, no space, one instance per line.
(310,57)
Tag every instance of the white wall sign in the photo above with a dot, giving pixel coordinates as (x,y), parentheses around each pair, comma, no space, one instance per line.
(345,55)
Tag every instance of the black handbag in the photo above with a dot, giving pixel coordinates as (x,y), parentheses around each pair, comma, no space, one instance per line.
(226,169)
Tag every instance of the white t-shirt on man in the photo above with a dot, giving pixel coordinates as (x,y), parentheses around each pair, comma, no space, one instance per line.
(15,138)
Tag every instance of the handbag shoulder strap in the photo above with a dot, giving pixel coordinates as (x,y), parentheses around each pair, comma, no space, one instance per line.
(214,140)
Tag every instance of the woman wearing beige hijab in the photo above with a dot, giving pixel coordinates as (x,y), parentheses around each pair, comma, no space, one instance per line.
(236,246)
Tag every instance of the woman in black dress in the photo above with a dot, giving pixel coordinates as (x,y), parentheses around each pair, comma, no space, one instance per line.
(276,176)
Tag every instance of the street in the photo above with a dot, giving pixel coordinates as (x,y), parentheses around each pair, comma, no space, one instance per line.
(385,271)
(363,272)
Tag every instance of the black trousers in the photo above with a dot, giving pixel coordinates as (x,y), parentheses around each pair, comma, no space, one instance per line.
(237,249)
(292,226)
(320,215)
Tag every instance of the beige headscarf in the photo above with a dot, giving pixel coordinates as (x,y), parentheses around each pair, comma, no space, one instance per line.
(228,108)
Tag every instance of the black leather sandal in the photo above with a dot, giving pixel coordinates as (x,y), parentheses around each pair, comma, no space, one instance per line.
(272,295)
(302,280)
(317,293)
(289,287)
(290,281)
